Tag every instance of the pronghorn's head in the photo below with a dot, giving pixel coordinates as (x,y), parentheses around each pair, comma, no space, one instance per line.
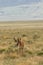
(17,39)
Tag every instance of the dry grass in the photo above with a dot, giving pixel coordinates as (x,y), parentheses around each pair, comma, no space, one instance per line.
(33,50)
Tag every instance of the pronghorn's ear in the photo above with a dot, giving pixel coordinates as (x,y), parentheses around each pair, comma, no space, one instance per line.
(15,39)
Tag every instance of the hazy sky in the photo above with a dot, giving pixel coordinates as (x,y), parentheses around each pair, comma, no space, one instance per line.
(32,9)
(4,3)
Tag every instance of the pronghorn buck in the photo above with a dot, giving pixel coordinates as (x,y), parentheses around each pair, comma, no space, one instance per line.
(20,44)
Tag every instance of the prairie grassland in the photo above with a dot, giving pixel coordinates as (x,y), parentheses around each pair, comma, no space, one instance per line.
(31,33)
